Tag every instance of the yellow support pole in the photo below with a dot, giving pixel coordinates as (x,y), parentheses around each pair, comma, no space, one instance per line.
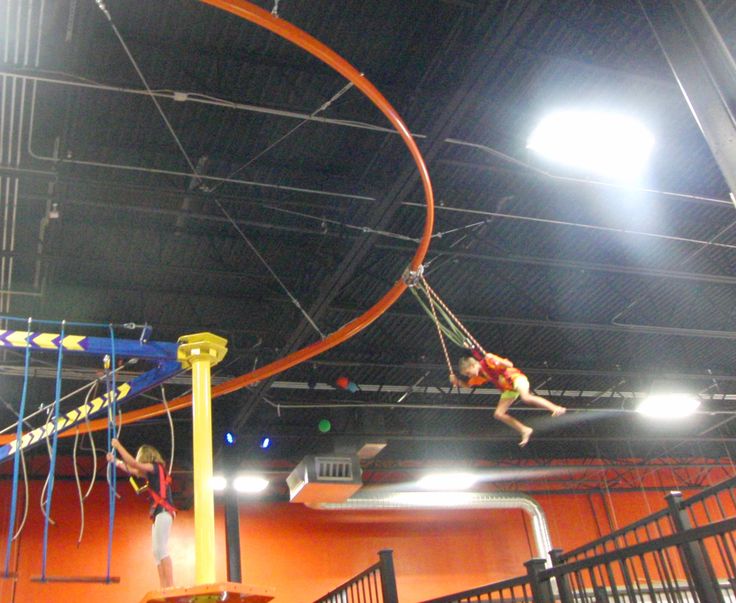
(201,351)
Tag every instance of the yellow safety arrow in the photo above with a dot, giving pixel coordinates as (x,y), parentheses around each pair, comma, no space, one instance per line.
(47,341)
(17,338)
(74,342)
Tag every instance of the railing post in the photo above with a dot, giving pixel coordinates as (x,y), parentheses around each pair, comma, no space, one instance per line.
(388,577)
(693,556)
(601,596)
(563,583)
(541,589)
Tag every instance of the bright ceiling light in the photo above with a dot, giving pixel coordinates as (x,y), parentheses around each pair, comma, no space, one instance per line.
(607,144)
(669,406)
(447,481)
(250,484)
(218,483)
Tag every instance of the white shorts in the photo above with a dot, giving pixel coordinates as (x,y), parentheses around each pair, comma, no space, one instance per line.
(160,532)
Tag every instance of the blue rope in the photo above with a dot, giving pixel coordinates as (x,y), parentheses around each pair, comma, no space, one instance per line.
(112,412)
(16,459)
(52,467)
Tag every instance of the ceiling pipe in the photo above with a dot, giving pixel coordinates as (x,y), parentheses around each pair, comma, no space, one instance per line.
(371,499)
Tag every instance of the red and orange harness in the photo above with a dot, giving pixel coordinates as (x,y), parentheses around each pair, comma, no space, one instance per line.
(159,498)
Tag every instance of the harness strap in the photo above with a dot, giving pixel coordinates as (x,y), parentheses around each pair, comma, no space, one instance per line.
(160,497)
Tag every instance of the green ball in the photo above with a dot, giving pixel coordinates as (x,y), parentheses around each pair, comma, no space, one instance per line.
(324,426)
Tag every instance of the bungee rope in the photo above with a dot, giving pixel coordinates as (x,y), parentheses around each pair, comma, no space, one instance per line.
(448,325)
(171,427)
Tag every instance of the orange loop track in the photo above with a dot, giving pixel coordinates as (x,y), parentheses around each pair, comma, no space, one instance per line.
(286,30)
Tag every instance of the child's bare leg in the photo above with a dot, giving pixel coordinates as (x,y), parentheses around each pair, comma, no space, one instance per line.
(161,577)
(522,386)
(501,414)
(165,573)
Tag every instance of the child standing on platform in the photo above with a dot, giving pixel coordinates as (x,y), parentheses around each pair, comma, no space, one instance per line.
(149,465)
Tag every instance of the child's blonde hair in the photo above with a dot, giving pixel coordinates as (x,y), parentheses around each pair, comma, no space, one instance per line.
(148,454)
(465,362)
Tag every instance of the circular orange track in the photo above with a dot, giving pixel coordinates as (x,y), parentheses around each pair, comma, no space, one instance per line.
(286,30)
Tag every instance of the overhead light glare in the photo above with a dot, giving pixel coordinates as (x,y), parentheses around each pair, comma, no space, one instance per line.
(218,483)
(669,406)
(607,144)
(447,481)
(250,484)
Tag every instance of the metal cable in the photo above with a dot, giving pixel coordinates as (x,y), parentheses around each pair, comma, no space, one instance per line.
(280,139)
(293,299)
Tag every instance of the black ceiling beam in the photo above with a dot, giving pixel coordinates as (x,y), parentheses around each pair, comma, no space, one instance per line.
(718,279)
(494,42)
(705,71)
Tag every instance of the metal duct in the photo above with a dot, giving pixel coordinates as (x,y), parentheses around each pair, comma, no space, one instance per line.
(380,499)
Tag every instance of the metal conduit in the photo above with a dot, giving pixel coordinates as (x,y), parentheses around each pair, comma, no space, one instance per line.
(372,500)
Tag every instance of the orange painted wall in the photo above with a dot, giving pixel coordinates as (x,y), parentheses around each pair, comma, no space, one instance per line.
(300,552)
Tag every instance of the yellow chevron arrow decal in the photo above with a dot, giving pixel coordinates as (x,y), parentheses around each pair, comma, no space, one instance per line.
(69,419)
(17,338)
(73,342)
(46,340)
(96,404)
(123,391)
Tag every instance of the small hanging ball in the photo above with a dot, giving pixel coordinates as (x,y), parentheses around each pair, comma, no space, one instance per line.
(342,382)
(324,426)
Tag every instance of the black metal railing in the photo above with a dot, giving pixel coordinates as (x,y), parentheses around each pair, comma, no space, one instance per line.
(685,553)
(377,584)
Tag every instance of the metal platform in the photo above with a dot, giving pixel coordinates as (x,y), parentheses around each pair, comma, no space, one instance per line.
(205,593)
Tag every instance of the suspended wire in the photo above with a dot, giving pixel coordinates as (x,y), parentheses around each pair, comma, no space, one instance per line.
(368,229)
(50,405)
(92,449)
(151,95)
(16,460)
(286,290)
(578,225)
(171,427)
(530,167)
(364,229)
(82,497)
(192,167)
(685,260)
(279,140)
(26,497)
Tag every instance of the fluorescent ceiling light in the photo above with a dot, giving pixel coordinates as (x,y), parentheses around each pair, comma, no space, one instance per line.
(669,406)
(607,144)
(218,483)
(250,484)
(447,481)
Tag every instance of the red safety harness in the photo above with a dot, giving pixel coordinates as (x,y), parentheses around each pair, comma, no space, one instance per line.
(159,498)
